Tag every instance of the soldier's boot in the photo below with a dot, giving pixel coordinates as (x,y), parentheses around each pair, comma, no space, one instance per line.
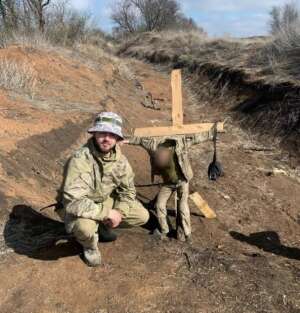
(180,234)
(189,239)
(91,253)
(106,234)
(159,235)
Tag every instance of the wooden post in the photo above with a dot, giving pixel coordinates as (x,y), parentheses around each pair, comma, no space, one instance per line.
(177,111)
(177,128)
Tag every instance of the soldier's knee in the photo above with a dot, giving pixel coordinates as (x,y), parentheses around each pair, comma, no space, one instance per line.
(140,219)
(84,228)
(137,216)
(145,216)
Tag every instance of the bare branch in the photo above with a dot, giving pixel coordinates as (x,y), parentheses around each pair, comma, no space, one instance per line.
(38,8)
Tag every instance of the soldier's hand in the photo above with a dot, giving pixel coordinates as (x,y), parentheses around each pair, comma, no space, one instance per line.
(114,218)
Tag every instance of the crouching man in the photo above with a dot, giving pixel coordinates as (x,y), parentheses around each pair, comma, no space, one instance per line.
(98,190)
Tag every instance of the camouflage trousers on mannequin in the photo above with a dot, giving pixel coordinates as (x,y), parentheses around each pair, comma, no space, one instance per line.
(86,230)
(183,219)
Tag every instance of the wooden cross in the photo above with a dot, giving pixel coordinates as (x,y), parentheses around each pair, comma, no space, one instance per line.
(178,128)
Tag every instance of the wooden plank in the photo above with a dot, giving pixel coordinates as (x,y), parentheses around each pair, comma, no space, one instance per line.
(203,206)
(176,130)
(177,110)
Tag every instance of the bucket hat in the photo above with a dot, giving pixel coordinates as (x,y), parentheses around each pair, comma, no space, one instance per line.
(108,122)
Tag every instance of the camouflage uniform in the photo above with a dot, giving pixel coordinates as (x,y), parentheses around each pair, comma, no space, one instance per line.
(182,186)
(94,184)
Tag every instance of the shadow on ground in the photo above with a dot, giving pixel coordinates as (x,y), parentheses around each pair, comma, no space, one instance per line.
(30,233)
(268,241)
(35,235)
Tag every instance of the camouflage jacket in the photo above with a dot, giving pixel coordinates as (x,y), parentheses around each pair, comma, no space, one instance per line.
(183,142)
(91,178)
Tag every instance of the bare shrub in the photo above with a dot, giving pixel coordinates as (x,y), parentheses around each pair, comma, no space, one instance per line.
(24,15)
(282,54)
(43,21)
(132,16)
(17,76)
(283,18)
(9,14)
(125,17)
(38,8)
(65,26)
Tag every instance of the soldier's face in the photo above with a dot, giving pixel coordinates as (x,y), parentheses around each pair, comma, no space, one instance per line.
(105,141)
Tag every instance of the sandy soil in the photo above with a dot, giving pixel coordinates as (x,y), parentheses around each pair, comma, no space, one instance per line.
(246,260)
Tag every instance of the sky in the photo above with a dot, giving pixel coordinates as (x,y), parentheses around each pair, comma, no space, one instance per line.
(237,18)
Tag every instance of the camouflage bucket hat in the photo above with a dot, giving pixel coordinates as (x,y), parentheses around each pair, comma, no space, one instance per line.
(108,122)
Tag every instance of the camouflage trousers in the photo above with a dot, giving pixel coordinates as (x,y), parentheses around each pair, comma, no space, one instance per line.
(183,211)
(86,230)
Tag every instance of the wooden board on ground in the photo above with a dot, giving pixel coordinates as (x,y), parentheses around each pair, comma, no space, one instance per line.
(203,206)
(176,130)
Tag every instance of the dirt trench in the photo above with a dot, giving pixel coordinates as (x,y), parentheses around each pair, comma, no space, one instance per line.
(264,103)
(246,260)
(271,111)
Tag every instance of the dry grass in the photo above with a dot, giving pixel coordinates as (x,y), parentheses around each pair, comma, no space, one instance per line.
(34,40)
(98,55)
(270,59)
(17,76)
(283,51)
(185,45)
(95,53)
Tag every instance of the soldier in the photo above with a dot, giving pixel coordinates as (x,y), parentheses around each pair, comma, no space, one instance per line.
(99,189)
(169,159)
